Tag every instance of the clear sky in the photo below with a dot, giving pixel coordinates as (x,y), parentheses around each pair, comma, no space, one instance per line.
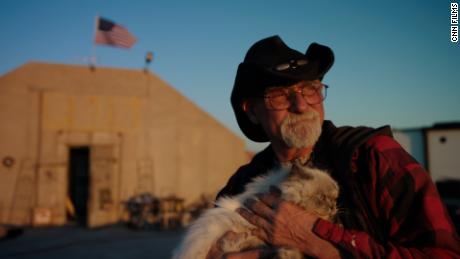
(394,65)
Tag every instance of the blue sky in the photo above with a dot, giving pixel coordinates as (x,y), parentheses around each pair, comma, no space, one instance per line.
(394,65)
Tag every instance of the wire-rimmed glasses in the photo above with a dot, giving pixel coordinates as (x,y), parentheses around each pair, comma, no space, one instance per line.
(280,98)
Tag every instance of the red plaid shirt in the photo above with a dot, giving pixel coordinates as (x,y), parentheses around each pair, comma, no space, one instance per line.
(403,196)
(400,195)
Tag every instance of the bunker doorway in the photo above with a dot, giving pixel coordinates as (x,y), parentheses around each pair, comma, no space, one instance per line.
(78,185)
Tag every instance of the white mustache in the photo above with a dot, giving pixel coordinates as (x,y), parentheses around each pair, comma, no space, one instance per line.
(307,116)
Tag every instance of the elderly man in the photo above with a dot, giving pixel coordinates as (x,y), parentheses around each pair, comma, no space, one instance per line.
(389,205)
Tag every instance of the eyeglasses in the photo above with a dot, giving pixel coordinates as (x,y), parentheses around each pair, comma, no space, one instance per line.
(280,98)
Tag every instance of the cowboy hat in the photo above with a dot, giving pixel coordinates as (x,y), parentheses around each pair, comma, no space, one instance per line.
(270,62)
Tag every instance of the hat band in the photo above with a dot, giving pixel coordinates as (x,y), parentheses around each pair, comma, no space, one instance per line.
(291,64)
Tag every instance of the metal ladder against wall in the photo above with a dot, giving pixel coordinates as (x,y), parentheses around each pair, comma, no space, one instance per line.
(22,200)
(145,177)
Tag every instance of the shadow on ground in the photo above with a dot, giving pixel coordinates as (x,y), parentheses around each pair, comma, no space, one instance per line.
(76,242)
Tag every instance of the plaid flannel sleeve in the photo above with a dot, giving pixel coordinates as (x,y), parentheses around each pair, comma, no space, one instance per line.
(403,195)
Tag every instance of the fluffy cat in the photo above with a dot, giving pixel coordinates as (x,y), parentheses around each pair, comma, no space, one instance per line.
(312,189)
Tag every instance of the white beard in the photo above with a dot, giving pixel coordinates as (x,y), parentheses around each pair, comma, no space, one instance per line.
(312,189)
(301,130)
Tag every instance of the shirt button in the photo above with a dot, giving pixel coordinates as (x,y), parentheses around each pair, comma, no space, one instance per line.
(353,242)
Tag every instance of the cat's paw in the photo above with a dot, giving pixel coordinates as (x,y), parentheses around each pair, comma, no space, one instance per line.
(235,242)
(288,253)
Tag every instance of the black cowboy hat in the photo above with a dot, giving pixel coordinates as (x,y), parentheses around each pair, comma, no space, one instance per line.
(270,62)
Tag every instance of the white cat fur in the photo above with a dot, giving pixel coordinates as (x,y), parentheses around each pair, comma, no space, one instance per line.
(312,189)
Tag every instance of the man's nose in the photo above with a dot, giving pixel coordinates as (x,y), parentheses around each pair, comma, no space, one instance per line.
(298,103)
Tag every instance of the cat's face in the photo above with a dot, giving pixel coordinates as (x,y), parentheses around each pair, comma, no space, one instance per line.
(313,190)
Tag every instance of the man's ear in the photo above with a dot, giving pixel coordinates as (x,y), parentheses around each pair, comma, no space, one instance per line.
(248,108)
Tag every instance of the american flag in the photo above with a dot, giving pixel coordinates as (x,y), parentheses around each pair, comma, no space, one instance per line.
(109,33)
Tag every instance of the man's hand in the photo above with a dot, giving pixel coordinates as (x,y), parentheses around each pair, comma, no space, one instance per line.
(216,250)
(283,223)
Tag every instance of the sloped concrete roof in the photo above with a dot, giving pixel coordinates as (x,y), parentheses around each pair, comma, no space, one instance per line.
(80,79)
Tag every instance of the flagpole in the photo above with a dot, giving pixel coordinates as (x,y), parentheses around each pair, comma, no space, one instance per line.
(93,50)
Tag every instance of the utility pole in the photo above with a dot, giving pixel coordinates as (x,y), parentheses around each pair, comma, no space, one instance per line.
(148,60)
